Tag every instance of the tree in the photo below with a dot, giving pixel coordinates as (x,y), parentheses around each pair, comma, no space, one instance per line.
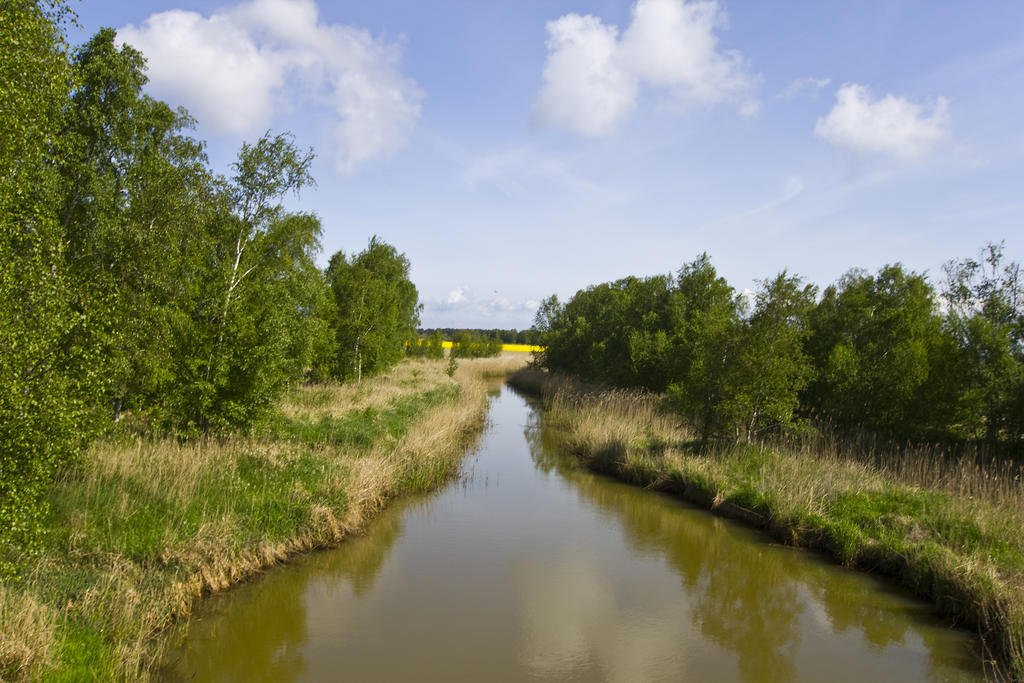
(46,368)
(986,318)
(378,308)
(705,314)
(135,189)
(610,332)
(435,346)
(254,306)
(873,340)
(771,367)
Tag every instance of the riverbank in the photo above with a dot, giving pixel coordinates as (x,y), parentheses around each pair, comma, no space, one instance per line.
(141,529)
(950,533)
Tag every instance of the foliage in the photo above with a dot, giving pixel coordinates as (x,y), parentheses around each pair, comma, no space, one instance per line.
(250,321)
(771,368)
(377,309)
(469,345)
(507,336)
(878,352)
(47,370)
(706,327)
(431,347)
(986,320)
(133,280)
(872,339)
(135,190)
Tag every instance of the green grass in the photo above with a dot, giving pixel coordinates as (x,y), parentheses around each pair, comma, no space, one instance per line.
(362,428)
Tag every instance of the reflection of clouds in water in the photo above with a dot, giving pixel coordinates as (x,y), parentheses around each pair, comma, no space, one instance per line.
(642,651)
(571,623)
(564,606)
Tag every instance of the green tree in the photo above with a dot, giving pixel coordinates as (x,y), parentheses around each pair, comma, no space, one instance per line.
(612,332)
(771,367)
(254,309)
(435,347)
(705,314)
(378,309)
(46,368)
(985,300)
(873,340)
(135,191)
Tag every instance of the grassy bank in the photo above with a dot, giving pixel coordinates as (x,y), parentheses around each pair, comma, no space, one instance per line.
(950,531)
(142,528)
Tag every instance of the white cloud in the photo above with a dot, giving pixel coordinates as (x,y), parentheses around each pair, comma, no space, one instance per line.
(462,307)
(891,125)
(585,86)
(672,44)
(239,66)
(592,76)
(457,296)
(800,85)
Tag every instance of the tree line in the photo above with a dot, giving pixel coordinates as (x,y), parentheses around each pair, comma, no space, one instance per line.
(464,344)
(135,280)
(505,336)
(885,352)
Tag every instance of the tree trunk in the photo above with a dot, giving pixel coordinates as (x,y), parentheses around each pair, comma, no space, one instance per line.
(359,364)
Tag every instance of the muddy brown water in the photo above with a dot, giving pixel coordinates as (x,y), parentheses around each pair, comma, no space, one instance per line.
(529,569)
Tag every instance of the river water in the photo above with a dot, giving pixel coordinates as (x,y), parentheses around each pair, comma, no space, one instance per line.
(528,569)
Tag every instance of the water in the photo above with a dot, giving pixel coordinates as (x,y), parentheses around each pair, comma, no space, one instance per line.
(527,569)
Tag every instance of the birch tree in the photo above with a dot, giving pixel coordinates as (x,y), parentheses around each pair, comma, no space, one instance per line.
(254,293)
(46,371)
(378,309)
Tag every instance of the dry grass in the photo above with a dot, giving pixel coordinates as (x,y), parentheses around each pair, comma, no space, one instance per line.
(949,529)
(27,635)
(143,530)
(334,399)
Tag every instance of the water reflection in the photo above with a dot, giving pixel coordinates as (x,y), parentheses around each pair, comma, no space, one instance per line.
(753,597)
(531,569)
(259,630)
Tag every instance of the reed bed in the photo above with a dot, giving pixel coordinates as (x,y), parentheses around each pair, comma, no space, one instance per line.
(948,528)
(141,530)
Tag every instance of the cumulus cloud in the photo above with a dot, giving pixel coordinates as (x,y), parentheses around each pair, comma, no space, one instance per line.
(593,75)
(239,66)
(890,125)
(586,87)
(459,295)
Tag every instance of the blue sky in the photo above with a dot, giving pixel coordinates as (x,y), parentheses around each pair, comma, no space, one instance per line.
(515,150)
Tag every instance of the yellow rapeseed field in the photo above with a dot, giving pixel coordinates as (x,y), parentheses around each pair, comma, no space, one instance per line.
(522,348)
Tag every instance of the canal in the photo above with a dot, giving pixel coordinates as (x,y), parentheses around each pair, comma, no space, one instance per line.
(529,569)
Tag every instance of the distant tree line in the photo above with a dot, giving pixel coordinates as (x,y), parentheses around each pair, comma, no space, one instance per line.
(133,279)
(510,336)
(468,344)
(431,346)
(464,344)
(885,352)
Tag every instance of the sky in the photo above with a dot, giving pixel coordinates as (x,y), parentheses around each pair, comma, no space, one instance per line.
(516,150)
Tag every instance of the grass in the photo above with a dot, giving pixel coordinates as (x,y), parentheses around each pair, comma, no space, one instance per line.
(950,530)
(140,530)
